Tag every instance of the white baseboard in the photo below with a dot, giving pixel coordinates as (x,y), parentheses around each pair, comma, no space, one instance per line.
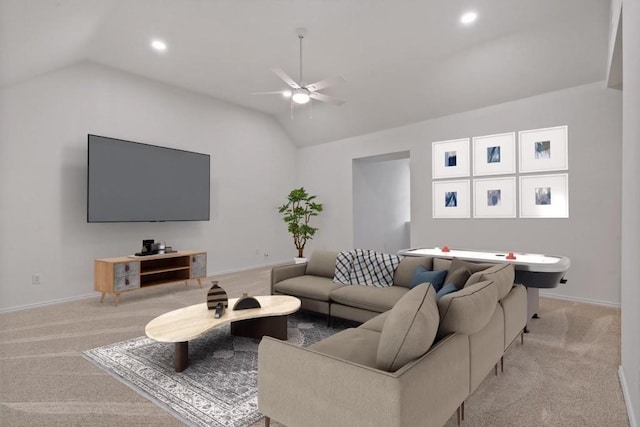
(627,399)
(251,267)
(577,299)
(46,303)
(93,295)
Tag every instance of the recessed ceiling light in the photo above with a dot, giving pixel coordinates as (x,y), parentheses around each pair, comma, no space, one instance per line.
(468,18)
(159,45)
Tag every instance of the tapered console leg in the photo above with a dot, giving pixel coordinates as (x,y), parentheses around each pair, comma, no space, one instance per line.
(181,356)
(267,421)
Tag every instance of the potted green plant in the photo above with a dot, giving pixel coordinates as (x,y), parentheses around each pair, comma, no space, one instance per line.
(297,213)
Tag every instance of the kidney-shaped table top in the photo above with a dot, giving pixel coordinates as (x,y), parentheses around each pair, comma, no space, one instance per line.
(190,322)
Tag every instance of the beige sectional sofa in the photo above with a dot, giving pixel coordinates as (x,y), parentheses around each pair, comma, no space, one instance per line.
(413,362)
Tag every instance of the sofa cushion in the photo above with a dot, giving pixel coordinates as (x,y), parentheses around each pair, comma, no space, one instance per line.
(468,310)
(409,329)
(407,267)
(458,278)
(446,289)
(322,263)
(356,345)
(367,297)
(441,264)
(373,268)
(375,324)
(422,275)
(306,286)
(503,275)
(473,267)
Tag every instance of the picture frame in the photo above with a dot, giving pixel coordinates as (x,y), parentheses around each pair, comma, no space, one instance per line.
(544,196)
(450,159)
(494,154)
(451,199)
(544,150)
(494,197)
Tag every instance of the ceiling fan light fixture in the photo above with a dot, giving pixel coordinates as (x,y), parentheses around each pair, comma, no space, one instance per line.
(286,93)
(301,96)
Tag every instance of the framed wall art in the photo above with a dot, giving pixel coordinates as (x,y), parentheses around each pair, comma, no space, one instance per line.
(450,159)
(451,199)
(494,197)
(544,196)
(494,154)
(543,150)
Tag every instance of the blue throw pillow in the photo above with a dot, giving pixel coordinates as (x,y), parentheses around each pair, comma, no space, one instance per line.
(446,289)
(422,275)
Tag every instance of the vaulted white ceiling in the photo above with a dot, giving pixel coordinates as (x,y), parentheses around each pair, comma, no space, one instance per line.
(403,61)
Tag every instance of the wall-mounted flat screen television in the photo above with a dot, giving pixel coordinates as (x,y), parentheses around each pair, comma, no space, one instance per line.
(133,182)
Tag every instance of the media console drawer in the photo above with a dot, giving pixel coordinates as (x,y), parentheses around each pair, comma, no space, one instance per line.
(116,275)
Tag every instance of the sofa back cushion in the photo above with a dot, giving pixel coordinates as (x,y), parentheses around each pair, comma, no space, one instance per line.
(468,310)
(322,263)
(407,267)
(409,329)
(503,275)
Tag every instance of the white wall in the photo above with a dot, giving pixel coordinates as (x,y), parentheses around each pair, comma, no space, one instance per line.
(43,159)
(631,208)
(590,237)
(381,202)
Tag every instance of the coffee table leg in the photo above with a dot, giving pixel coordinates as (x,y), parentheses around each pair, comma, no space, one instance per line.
(273,326)
(181,356)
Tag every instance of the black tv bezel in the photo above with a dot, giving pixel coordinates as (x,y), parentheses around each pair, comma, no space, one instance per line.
(89,135)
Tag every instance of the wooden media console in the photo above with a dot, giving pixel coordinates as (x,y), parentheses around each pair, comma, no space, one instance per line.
(123,274)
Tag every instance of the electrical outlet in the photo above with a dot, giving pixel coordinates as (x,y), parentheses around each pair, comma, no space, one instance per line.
(36,279)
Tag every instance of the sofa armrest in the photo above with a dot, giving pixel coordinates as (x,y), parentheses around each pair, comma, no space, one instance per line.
(284,272)
(299,386)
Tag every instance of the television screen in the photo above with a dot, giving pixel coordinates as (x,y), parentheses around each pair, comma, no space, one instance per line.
(133,182)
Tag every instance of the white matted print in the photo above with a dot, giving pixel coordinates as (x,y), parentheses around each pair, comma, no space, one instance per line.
(544,196)
(450,159)
(494,154)
(494,198)
(543,150)
(451,199)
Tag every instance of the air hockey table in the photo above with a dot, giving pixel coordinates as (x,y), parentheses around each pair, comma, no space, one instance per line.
(534,271)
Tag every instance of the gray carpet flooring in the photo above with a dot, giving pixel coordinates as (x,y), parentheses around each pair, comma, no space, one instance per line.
(564,375)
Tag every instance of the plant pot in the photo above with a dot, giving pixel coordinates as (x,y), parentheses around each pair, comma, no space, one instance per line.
(299,260)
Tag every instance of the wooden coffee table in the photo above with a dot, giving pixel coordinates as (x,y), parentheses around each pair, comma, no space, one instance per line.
(184,324)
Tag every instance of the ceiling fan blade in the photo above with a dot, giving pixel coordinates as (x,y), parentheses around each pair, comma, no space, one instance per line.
(285,77)
(329,81)
(273,92)
(326,98)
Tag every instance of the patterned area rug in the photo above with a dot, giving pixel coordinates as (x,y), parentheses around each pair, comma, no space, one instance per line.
(219,388)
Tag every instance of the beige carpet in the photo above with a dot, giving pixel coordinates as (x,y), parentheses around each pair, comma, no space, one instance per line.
(565,375)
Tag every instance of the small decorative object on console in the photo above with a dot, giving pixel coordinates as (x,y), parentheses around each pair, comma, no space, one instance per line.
(245,301)
(445,248)
(217,299)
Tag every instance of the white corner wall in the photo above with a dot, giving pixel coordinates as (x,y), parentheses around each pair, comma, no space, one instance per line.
(590,237)
(630,370)
(43,159)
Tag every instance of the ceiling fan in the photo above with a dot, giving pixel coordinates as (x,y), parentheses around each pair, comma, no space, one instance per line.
(300,92)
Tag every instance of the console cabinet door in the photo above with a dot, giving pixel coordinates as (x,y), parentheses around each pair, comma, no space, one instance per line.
(198,266)
(126,269)
(125,283)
